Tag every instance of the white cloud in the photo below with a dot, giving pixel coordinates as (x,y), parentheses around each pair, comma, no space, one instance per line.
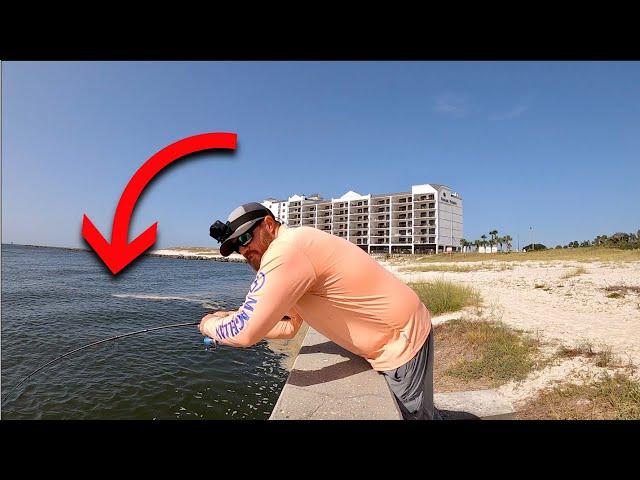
(452,104)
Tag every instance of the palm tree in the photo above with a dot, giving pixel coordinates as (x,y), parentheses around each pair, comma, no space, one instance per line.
(464,243)
(484,242)
(507,239)
(477,244)
(494,236)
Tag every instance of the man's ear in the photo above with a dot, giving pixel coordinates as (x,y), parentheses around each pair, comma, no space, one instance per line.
(271,224)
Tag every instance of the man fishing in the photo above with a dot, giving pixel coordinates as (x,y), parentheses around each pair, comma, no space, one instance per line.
(339,290)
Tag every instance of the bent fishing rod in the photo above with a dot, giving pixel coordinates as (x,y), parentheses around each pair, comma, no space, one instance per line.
(209,343)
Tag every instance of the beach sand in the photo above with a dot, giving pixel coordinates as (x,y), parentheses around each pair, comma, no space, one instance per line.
(199,253)
(533,297)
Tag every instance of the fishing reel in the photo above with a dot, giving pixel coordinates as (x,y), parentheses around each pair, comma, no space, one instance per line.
(209,344)
(220,231)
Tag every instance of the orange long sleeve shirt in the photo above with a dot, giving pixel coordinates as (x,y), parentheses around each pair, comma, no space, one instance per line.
(339,290)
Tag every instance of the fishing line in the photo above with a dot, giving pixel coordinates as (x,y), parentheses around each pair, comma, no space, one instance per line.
(175,325)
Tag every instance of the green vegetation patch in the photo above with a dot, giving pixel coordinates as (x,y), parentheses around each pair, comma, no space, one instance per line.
(608,398)
(441,296)
(491,351)
(582,254)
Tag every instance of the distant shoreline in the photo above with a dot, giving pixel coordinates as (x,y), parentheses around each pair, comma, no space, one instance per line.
(44,246)
(179,254)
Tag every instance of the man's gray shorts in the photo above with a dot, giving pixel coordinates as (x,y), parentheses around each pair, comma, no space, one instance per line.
(412,384)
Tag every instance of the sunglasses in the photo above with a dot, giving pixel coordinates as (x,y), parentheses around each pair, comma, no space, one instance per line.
(244,239)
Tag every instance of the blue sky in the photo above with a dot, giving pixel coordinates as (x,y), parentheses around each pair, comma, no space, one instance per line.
(553,145)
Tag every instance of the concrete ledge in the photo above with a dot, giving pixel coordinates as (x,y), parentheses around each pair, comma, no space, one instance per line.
(478,404)
(328,382)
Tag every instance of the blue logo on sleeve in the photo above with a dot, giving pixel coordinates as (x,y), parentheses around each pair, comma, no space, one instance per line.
(258,283)
(239,321)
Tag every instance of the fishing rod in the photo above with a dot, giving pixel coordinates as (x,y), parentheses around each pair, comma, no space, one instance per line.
(209,343)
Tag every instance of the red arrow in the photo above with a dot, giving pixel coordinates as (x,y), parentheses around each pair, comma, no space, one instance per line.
(119,253)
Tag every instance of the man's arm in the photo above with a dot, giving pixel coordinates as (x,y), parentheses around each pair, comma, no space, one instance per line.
(286,328)
(277,287)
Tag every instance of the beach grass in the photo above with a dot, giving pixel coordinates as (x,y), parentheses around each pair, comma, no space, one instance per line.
(603,357)
(441,296)
(574,272)
(619,291)
(610,397)
(457,268)
(583,254)
(487,351)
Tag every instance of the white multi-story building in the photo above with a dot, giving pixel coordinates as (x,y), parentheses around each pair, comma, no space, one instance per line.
(426,219)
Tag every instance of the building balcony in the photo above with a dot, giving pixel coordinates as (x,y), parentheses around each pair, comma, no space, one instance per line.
(424,240)
(402,232)
(424,231)
(402,239)
(421,197)
(424,222)
(424,209)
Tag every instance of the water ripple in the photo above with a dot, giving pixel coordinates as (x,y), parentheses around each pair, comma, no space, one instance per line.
(56,300)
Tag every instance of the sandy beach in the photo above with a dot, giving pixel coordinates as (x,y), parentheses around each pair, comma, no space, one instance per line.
(546,301)
(200,253)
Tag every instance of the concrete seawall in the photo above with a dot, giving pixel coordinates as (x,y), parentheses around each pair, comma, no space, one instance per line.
(329,383)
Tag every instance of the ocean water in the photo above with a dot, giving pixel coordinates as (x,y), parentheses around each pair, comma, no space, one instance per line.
(56,300)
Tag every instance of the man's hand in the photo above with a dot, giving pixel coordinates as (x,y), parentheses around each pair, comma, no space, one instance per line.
(208,323)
